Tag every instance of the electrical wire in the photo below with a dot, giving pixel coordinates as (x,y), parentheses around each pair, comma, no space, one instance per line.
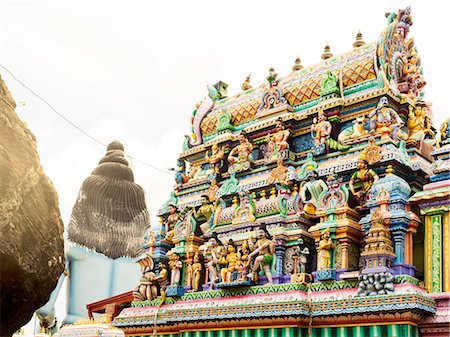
(73,124)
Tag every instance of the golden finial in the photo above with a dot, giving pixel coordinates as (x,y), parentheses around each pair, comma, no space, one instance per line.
(246,85)
(254,196)
(235,200)
(297,64)
(295,189)
(359,40)
(273,192)
(390,171)
(263,195)
(326,52)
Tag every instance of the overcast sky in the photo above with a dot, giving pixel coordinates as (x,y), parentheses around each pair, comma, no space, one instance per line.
(133,71)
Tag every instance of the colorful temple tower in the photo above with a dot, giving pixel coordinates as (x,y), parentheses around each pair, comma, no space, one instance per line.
(306,207)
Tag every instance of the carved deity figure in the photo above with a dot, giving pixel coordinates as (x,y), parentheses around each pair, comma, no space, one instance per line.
(239,156)
(277,142)
(232,258)
(212,255)
(278,174)
(203,213)
(324,251)
(311,190)
(185,226)
(385,120)
(361,181)
(163,280)
(175,266)
(180,172)
(320,128)
(146,289)
(171,221)
(197,268)
(244,262)
(263,249)
(216,158)
(212,191)
(418,127)
(444,133)
(245,212)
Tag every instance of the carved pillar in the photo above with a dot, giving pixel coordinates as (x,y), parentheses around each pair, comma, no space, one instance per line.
(279,252)
(344,252)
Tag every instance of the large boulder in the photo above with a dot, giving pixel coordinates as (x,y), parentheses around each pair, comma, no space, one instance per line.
(31,237)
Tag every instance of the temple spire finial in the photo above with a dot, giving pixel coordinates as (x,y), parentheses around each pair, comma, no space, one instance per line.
(297,65)
(326,52)
(359,40)
(246,85)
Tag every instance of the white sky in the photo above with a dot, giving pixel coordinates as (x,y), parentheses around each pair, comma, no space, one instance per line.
(133,71)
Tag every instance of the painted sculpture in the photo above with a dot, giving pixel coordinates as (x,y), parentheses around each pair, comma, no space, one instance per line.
(309,239)
(385,120)
(239,156)
(215,158)
(263,251)
(361,181)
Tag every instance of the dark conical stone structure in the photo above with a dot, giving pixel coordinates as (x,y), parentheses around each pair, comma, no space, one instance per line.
(110,215)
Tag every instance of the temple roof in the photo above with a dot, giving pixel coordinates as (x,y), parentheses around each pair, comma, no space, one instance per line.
(300,86)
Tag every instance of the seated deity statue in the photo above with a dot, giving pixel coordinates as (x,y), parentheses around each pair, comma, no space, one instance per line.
(232,258)
(311,190)
(239,156)
(385,120)
(361,181)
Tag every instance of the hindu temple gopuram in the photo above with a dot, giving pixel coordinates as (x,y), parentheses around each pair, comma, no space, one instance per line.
(315,204)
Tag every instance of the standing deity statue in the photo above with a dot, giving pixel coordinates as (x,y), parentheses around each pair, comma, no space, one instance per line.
(212,255)
(263,249)
(444,133)
(197,269)
(175,267)
(212,191)
(311,190)
(361,181)
(324,250)
(244,262)
(216,158)
(171,221)
(385,120)
(320,129)
(163,280)
(239,156)
(277,142)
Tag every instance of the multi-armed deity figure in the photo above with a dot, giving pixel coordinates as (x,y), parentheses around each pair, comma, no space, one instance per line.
(385,120)
(239,156)
(263,249)
(419,125)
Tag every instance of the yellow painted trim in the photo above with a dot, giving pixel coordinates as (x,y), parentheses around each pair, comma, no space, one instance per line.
(428,260)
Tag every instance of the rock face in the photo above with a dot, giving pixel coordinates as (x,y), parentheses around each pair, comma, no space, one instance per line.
(31,237)
(110,215)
